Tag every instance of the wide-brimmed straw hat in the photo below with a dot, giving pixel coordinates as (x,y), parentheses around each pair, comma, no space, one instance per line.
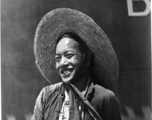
(59,21)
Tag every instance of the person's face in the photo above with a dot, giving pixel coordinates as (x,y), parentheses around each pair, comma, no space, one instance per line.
(68,58)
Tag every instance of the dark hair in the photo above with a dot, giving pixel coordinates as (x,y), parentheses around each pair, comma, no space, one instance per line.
(75,37)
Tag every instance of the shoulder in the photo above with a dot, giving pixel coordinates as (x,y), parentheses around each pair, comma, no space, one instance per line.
(106,103)
(103,92)
(51,88)
(106,99)
(103,95)
(44,94)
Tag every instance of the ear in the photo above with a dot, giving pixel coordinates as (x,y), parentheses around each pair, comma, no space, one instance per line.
(89,55)
(86,58)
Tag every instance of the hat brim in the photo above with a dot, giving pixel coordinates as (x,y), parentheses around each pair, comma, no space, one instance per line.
(61,20)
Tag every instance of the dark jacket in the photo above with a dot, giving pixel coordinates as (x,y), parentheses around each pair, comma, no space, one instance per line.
(50,99)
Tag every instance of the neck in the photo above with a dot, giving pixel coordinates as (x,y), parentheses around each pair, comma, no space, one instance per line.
(81,83)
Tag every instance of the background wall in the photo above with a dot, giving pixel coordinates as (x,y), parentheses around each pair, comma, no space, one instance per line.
(129,35)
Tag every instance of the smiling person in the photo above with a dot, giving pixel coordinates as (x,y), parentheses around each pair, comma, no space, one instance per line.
(76,57)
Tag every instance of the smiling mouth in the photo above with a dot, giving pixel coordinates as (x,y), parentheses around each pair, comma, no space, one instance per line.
(66,72)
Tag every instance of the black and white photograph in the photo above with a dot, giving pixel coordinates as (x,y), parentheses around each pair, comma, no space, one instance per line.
(76,60)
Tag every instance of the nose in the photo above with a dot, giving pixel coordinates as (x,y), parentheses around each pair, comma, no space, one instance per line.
(64,61)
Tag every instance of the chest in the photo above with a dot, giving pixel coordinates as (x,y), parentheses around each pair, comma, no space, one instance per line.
(54,105)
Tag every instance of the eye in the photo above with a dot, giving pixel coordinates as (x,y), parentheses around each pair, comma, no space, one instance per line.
(57,58)
(70,55)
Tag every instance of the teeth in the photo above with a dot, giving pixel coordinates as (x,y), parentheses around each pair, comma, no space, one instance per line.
(66,71)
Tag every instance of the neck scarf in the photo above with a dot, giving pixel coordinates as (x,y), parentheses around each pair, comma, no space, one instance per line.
(74,113)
